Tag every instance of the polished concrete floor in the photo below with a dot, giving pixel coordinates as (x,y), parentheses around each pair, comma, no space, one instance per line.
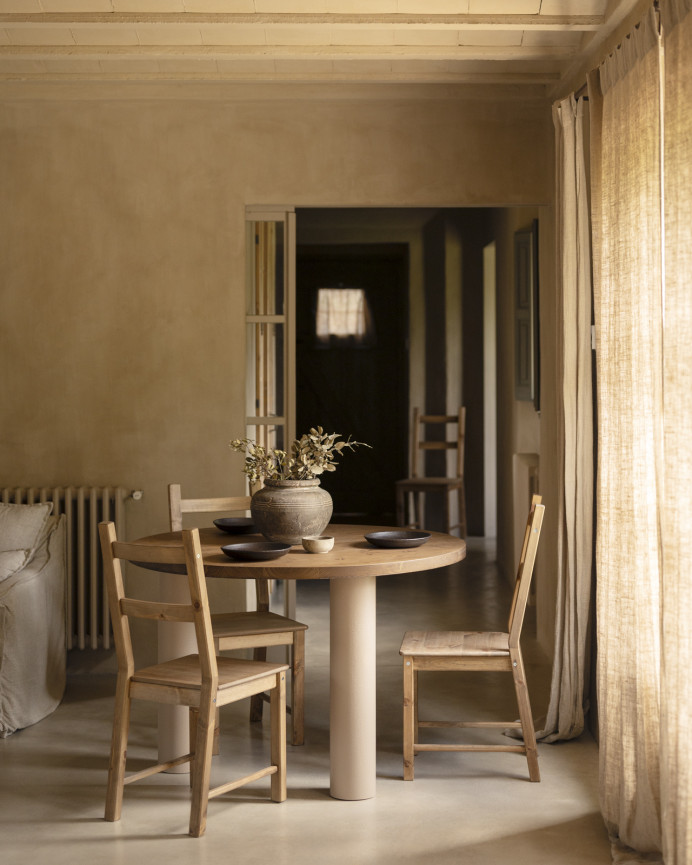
(471,808)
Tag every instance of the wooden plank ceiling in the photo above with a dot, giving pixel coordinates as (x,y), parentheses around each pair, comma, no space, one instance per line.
(527,42)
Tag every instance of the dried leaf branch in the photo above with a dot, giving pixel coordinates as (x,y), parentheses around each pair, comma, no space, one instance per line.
(312,454)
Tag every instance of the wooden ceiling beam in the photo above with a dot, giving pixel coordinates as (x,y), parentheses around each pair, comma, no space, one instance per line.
(567,23)
(300,52)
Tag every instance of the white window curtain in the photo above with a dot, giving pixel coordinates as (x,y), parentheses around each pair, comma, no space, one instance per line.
(565,717)
(641,206)
(343,313)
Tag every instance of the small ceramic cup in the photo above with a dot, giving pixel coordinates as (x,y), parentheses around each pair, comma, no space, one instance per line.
(321,544)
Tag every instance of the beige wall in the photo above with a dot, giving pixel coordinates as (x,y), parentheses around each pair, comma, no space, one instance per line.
(518,423)
(520,429)
(122,242)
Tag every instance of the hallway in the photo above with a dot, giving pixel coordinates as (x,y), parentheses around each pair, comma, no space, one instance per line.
(475,809)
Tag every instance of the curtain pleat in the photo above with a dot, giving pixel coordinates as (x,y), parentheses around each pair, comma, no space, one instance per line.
(641,209)
(634,48)
(626,200)
(565,716)
(676,678)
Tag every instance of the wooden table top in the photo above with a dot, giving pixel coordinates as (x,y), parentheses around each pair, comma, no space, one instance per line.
(352,555)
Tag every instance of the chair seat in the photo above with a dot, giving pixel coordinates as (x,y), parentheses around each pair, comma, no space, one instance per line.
(185,672)
(462,644)
(246,624)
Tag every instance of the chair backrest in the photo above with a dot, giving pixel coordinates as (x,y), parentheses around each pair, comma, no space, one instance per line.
(525,570)
(125,606)
(421,443)
(177,506)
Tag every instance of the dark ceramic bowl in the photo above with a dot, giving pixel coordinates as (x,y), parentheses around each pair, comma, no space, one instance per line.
(257,551)
(236,525)
(397,539)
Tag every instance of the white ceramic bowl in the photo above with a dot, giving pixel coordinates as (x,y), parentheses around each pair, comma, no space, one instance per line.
(321,544)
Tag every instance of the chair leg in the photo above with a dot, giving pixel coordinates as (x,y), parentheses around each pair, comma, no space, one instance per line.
(216,749)
(201,766)
(192,725)
(415,707)
(461,493)
(277,710)
(410,717)
(448,512)
(525,714)
(298,689)
(400,507)
(257,702)
(418,511)
(118,755)
(217,732)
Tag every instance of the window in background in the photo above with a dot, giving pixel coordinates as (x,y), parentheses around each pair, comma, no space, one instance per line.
(343,314)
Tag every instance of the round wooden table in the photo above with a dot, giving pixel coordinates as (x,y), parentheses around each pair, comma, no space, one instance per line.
(353,566)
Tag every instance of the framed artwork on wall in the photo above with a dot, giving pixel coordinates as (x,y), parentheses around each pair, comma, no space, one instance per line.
(526,343)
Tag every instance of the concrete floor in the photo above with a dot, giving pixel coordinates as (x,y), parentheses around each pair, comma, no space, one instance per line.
(471,808)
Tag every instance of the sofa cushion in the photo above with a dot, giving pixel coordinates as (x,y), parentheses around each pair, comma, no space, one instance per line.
(22,525)
(32,635)
(12,561)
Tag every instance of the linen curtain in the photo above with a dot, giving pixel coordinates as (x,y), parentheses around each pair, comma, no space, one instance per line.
(627,298)
(642,213)
(676,649)
(565,716)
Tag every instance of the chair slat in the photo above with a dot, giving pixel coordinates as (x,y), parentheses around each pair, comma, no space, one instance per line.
(164,612)
(231,503)
(173,555)
(178,506)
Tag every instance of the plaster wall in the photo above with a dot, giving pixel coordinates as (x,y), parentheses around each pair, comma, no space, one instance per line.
(521,430)
(123,247)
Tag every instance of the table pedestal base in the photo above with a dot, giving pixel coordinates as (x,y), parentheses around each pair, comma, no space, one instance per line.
(352,695)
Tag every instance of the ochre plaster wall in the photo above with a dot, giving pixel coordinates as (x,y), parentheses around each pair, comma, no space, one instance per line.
(520,428)
(122,240)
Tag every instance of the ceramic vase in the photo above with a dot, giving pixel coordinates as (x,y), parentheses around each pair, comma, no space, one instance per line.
(288,511)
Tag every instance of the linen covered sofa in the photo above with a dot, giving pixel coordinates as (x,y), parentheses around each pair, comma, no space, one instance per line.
(32,614)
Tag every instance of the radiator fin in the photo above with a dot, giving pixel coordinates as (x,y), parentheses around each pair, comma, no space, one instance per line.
(87,620)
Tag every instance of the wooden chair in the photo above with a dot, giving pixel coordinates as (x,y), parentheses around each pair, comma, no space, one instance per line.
(411,491)
(256,629)
(201,681)
(475,650)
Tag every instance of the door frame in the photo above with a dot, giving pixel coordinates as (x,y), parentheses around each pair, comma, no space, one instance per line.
(260,313)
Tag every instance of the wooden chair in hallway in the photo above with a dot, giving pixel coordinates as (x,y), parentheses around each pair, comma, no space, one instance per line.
(255,629)
(410,492)
(201,681)
(477,651)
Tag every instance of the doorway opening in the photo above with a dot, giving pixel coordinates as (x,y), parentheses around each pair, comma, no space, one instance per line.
(352,322)
(421,271)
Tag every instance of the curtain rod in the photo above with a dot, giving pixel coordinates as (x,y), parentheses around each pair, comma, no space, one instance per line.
(580,93)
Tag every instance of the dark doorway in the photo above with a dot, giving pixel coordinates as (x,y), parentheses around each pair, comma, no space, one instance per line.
(357,385)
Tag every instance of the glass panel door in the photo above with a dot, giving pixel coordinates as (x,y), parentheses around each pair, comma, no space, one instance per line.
(271,336)
(270,326)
